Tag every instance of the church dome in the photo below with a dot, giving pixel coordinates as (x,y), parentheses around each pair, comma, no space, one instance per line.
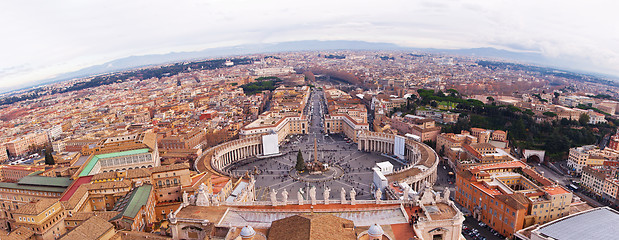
(376,231)
(248,231)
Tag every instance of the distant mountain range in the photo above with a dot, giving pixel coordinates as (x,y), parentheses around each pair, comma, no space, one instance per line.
(157,59)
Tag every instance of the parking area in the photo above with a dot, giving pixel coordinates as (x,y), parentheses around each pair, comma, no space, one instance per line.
(474,230)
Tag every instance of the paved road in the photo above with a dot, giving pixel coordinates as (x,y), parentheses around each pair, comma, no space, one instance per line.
(565,180)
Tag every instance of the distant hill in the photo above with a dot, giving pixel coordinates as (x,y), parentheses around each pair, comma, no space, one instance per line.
(157,59)
(312,45)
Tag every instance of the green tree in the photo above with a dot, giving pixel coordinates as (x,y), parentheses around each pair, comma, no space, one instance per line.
(49,159)
(550,114)
(300,166)
(430,143)
(453,92)
(529,112)
(583,119)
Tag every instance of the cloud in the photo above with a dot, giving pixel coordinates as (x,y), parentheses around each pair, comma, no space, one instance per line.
(60,36)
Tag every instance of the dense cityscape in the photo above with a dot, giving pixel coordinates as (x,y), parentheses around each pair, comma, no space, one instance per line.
(347,144)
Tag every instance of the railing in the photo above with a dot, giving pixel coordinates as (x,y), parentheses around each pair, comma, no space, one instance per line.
(309,202)
(167,185)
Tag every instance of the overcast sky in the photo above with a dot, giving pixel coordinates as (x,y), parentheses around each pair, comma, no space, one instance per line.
(40,39)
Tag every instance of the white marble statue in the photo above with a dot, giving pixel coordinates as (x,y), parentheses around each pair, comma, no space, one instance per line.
(343,196)
(325,194)
(273,197)
(285,197)
(353,196)
(427,196)
(312,193)
(185,198)
(192,199)
(300,197)
(378,195)
(446,193)
(215,200)
(406,191)
(203,198)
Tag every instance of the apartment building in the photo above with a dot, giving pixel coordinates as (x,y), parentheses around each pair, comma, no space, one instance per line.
(184,140)
(425,128)
(613,143)
(285,116)
(44,217)
(21,145)
(589,155)
(509,196)
(479,146)
(103,196)
(344,114)
(168,181)
(602,181)
(4,155)
(137,209)
(28,189)
(13,173)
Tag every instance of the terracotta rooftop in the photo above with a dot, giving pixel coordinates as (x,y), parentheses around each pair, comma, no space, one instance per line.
(110,184)
(81,216)
(37,207)
(21,233)
(556,190)
(212,214)
(515,201)
(172,167)
(93,228)
(129,174)
(312,226)
(74,199)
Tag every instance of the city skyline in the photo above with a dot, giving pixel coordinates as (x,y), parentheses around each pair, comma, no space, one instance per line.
(384,145)
(42,44)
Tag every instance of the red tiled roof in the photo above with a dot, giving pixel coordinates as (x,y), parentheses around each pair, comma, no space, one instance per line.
(74,186)
(556,190)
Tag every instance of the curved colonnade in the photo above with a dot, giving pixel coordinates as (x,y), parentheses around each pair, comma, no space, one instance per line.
(422,160)
(421,168)
(217,158)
